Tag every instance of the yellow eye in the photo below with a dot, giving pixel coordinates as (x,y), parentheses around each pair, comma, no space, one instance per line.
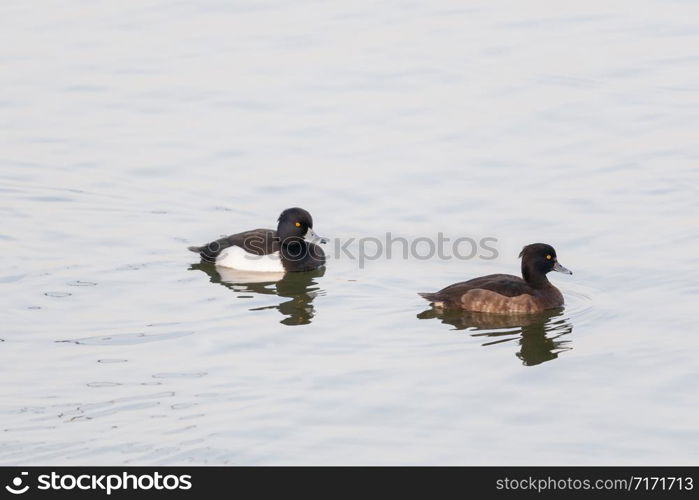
(298,224)
(548,257)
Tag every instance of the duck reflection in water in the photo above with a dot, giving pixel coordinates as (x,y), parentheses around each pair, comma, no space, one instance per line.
(300,287)
(538,335)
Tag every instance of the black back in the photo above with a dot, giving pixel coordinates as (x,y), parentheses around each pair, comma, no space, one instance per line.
(257,242)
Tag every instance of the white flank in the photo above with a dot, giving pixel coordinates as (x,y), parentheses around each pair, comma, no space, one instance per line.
(237,258)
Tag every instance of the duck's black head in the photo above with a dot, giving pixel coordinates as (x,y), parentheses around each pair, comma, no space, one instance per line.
(538,259)
(296,224)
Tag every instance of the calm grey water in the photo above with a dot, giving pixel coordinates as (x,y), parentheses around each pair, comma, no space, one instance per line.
(133,129)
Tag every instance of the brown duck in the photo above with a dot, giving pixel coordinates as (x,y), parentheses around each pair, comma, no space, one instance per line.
(505,293)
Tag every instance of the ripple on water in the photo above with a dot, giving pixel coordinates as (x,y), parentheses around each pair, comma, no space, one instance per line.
(182,406)
(11,279)
(180,375)
(81,283)
(58,294)
(127,338)
(117,409)
(579,307)
(30,428)
(88,411)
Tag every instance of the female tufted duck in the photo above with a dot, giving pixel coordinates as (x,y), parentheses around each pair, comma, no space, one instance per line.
(507,294)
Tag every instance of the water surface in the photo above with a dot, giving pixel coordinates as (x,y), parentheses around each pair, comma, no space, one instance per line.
(133,130)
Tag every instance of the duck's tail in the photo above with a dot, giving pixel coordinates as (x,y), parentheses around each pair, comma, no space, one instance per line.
(434,299)
(195,249)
